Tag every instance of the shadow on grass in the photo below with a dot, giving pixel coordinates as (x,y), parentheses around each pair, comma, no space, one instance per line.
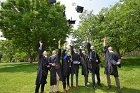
(130,63)
(19,67)
(83,89)
(135,62)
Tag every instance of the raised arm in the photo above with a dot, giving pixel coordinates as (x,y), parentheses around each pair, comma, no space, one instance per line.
(64,51)
(88,48)
(104,45)
(72,50)
(59,49)
(40,51)
(80,51)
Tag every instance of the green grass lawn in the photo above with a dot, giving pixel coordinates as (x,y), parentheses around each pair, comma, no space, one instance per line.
(20,78)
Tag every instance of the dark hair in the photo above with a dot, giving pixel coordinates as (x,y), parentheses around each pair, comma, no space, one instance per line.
(108,46)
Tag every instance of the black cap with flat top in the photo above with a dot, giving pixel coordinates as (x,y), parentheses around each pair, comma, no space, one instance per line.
(79,9)
(70,21)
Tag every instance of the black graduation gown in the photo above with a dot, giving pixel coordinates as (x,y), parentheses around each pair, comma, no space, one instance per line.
(55,59)
(83,63)
(42,69)
(75,57)
(65,63)
(92,60)
(93,56)
(110,62)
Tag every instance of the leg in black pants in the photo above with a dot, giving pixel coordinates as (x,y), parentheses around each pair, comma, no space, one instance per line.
(72,74)
(97,72)
(37,88)
(93,80)
(64,82)
(76,74)
(42,88)
(93,77)
(68,83)
(86,80)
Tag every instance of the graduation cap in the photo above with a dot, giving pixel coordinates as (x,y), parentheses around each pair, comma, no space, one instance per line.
(70,21)
(79,9)
(52,1)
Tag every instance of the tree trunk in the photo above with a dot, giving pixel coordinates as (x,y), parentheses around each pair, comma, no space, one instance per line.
(31,58)
(118,51)
(10,60)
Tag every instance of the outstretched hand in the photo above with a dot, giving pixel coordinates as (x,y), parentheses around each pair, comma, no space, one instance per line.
(118,63)
(87,39)
(104,41)
(59,42)
(65,46)
(40,43)
(80,47)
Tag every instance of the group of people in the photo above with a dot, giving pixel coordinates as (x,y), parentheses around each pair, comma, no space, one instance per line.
(62,65)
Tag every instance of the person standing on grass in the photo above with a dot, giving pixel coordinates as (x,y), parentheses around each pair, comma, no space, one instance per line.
(55,72)
(75,64)
(94,62)
(113,61)
(84,66)
(65,68)
(97,69)
(43,69)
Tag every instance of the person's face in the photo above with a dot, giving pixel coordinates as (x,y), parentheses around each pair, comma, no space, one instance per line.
(53,52)
(110,49)
(45,53)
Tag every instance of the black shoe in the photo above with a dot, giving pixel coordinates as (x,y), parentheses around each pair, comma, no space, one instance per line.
(94,87)
(99,84)
(109,87)
(86,86)
(119,90)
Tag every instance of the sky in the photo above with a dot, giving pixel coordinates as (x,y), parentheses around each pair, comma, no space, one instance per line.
(95,5)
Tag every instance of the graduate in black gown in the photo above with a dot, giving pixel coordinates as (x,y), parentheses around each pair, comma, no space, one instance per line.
(97,67)
(84,66)
(112,62)
(94,62)
(66,62)
(55,72)
(75,64)
(42,69)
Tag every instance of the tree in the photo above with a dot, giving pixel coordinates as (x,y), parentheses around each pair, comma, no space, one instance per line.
(26,22)
(120,23)
(123,27)
(7,50)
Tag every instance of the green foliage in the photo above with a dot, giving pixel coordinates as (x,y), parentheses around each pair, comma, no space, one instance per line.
(26,22)
(10,53)
(7,49)
(120,23)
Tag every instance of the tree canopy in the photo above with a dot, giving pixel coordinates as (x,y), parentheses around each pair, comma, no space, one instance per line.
(26,22)
(120,23)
